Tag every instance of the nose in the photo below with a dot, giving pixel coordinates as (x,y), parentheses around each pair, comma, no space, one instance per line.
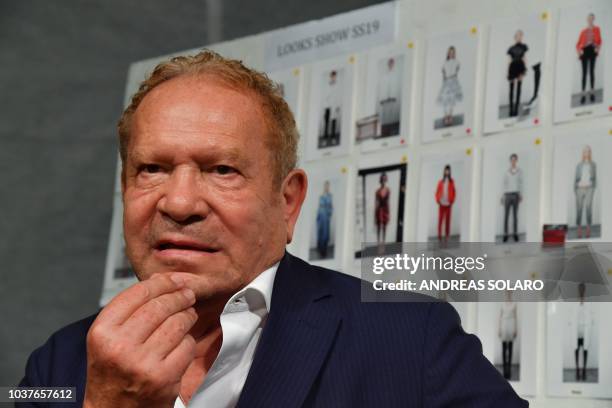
(183,199)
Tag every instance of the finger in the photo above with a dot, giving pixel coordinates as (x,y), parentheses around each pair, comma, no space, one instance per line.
(177,362)
(128,301)
(148,317)
(170,333)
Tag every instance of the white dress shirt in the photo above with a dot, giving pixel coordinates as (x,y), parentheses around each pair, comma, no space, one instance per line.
(242,321)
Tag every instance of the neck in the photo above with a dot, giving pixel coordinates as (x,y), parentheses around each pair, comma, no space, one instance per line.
(207,330)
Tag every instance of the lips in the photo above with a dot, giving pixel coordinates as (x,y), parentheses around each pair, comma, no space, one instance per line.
(181,244)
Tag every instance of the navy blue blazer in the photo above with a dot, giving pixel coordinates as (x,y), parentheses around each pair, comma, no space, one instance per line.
(323,347)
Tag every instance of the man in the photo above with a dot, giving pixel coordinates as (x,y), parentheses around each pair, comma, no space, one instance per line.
(222,315)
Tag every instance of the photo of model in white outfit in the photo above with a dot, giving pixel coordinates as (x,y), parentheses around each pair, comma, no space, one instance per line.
(450,92)
(581,331)
(507,332)
(330,121)
(380,103)
(388,100)
(449,85)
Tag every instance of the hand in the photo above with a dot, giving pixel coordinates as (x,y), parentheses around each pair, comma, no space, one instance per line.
(138,348)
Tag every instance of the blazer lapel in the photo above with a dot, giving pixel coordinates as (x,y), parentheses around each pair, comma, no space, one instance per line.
(301,327)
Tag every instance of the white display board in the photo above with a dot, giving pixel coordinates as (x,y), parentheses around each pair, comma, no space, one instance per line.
(547,136)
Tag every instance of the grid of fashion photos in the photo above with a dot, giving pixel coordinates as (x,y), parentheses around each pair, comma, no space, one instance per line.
(358,150)
(444,138)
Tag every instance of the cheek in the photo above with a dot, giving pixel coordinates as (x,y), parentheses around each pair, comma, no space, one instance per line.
(248,217)
(138,210)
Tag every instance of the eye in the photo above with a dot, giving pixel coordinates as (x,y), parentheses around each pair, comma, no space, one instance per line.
(150,168)
(223,169)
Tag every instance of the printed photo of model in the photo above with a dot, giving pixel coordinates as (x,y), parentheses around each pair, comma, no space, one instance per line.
(450,93)
(325,209)
(445,198)
(380,207)
(383,118)
(512,196)
(588,48)
(585,184)
(507,332)
(330,120)
(580,342)
(517,70)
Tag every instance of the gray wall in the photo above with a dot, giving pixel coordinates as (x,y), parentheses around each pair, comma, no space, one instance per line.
(63,66)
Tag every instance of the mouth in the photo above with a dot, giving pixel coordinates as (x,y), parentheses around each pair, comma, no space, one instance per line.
(183,245)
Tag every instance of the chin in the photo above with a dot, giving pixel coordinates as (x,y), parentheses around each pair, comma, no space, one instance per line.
(206,287)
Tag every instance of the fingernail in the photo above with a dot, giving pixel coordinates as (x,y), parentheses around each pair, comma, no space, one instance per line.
(188,293)
(193,313)
(178,280)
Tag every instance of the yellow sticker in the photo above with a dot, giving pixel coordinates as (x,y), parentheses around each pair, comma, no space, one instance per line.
(351,59)
(544,16)
(537,141)
(343,169)
(410,44)
(404,159)
(610,271)
(296,72)
(534,275)
(610,132)
(468,151)
(473,30)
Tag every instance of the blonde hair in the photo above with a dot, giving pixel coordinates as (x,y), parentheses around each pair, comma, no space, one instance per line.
(283,135)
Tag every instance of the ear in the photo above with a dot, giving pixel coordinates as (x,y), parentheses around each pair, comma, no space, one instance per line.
(293,195)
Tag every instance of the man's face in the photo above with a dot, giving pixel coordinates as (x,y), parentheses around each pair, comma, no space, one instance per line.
(198,192)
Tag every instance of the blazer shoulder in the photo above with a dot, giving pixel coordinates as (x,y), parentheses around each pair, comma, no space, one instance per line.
(346,291)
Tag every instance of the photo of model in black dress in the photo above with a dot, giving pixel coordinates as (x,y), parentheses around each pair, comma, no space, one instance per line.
(517,69)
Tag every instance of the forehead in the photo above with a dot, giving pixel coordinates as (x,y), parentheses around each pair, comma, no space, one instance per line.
(200,110)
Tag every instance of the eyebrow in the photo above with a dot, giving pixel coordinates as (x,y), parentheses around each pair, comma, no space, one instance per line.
(228,153)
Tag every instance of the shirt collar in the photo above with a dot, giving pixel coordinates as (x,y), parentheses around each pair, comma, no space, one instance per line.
(258,293)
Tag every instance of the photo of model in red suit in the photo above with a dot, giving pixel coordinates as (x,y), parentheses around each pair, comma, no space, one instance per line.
(587,48)
(445,197)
